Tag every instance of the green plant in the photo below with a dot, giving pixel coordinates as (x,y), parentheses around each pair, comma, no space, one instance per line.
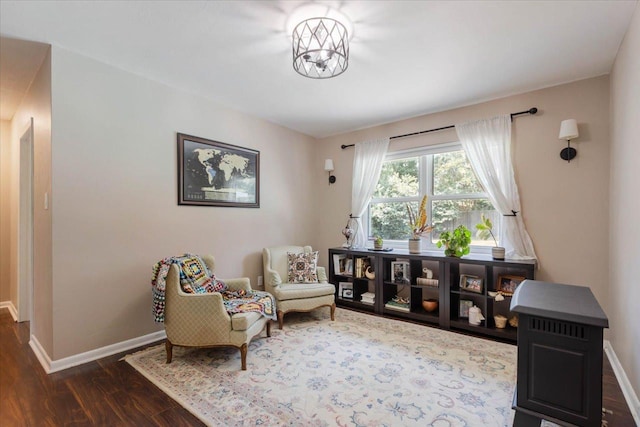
(378,241)
(485,229)
(456,242)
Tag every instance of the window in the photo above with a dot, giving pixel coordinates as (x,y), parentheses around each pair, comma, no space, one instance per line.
(454,194)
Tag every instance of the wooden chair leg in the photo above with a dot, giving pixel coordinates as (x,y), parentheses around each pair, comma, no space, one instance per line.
(169,347)
(280,319)
(333,311)
(243,356)
(268,328)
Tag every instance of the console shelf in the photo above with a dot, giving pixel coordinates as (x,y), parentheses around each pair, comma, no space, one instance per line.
(369,275)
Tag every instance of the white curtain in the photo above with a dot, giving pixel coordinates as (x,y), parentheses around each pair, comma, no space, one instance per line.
(367,164)
(487,144)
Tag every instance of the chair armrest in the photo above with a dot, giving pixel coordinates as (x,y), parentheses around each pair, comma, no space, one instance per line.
(272,279)
(238,284)
(322,274)
(198,308)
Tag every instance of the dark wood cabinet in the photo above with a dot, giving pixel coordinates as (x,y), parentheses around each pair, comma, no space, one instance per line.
(409,287)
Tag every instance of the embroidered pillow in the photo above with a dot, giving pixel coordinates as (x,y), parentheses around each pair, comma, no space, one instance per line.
(302,267)
(195,277)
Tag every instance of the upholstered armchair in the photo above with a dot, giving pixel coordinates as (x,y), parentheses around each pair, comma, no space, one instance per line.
(295,296)
(200,320)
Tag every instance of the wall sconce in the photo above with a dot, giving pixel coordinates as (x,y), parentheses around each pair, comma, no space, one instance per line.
(568,131)
(328,166)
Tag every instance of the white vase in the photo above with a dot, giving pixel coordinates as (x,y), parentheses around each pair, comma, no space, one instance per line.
(497,252)
(414,246)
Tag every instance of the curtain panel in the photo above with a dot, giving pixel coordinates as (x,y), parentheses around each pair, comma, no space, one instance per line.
(487,144)
(367,164)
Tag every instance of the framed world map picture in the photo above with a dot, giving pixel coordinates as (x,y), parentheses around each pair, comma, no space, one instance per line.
(212,173)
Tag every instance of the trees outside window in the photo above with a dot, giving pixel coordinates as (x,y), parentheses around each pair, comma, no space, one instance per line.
(454,194)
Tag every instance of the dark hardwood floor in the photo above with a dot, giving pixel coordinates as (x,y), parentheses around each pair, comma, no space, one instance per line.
(109,392)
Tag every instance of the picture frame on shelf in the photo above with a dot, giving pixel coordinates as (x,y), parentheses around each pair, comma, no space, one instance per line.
(463,311)
(339,261)
(400,272)
(507,284)
(471,283)
(345,290)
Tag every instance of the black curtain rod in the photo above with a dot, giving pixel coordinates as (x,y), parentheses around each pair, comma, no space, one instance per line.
(529,111)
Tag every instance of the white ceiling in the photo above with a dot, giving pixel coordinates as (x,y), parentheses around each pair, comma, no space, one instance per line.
(408,58)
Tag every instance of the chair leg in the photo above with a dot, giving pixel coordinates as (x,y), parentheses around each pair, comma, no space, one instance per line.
(169,348)
(280,319)
(268,328)
(243,356)
(333,311)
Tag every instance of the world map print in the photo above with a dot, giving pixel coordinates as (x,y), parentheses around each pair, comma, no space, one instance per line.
(218,174)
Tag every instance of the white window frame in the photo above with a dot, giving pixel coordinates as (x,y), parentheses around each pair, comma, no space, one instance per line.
(425,186)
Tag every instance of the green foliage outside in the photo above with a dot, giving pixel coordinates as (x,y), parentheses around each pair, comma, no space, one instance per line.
(452,176)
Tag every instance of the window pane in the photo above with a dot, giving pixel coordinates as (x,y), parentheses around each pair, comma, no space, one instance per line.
(398,178)
(390,220)
(449,214)
(452,174)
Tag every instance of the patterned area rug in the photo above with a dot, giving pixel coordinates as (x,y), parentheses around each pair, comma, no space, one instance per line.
(360,370)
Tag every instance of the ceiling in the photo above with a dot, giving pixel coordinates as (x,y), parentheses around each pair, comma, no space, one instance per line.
(407,58)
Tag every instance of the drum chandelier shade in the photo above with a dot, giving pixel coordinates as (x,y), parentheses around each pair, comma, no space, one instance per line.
(320,48)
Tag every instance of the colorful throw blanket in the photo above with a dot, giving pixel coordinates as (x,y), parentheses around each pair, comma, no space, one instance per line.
(242,301)
(196,278)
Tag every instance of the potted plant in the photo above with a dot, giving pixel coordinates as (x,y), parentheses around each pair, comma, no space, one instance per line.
(418,225)
(456,242)
(485,229)
(377,243)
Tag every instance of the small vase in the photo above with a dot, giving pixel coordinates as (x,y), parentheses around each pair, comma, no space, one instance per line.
(414,246)
(497,252)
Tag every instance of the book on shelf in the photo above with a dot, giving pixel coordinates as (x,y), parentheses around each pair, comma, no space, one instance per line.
(427,282)
(393,305)
(368,298)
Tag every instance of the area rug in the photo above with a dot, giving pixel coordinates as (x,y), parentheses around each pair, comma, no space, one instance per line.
(360,370)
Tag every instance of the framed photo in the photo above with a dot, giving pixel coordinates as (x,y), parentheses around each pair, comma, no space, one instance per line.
(339,261)
(508,284)
(212,173)
(400,272)
(465,305)
(345,290)
(471,283)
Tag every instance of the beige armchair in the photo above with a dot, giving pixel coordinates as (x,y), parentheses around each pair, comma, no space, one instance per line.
(295,296)
(200,320)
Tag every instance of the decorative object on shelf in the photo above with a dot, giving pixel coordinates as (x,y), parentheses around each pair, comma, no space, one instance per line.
(369,273)
(513,321)
(499,297)
(339,261)
(485,229)
(368,298)
(320,48)
(398,303)
(427,274)
(465,305)
(345,290)
(456,242)
(501,321)
(568,131)
(418,225)
(430,305)
(401,272)
(471,283)
(328,167)
(349,231)
(475,316)
(507,284)
(377,243)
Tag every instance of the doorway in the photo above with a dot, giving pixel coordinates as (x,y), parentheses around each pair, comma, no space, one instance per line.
(25,238)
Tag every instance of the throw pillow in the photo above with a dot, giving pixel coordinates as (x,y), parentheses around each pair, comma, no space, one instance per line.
(195,277)
(302,267)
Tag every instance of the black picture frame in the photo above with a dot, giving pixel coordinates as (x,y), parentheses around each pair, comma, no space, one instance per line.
(465,305)
(213,173)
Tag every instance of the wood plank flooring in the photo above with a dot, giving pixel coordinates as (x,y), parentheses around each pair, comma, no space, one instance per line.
(109,392)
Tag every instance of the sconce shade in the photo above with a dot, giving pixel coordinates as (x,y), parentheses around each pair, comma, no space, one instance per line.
(568,129)
(328,165)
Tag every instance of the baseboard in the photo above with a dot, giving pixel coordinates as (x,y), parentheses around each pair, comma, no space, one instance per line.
(51,366)
(629,394)
(12,309)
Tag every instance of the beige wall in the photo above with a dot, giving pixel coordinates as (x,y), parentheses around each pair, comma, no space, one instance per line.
(36,104)
(624,206)
(114,198)
(5,210)
(564,206)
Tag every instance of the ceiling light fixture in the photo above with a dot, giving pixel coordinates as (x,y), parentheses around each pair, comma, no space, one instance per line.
(320,48)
